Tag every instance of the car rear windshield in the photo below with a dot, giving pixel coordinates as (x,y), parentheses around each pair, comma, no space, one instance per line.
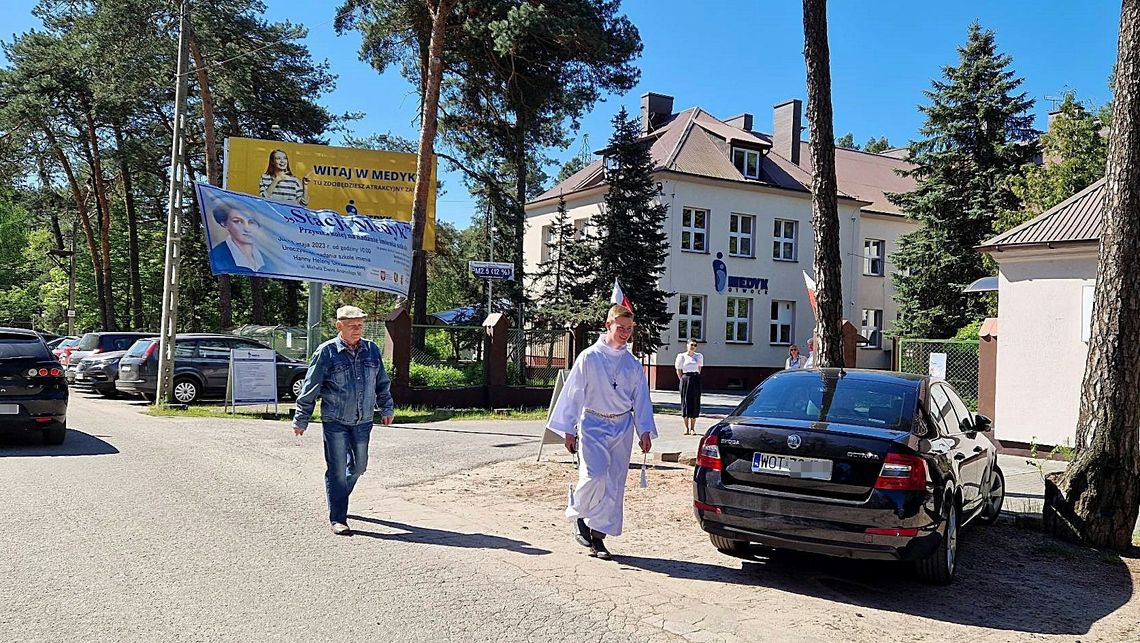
(827,397)
(138,349)
(88,342)
(14,345)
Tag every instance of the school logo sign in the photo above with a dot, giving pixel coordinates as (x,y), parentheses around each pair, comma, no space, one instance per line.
(724,282)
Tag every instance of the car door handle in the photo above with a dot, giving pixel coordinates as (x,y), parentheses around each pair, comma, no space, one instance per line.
(977,449)
(959,456)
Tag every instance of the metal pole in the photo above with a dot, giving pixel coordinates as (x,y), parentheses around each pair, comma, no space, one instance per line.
(313,319)
(169,325)
(491,242)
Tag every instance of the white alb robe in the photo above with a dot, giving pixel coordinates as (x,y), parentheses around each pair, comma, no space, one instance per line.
(609,382)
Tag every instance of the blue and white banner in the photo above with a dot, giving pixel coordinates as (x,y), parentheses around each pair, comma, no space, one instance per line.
(248,235)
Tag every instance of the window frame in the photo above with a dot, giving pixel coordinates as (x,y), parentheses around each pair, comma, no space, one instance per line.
(738,236)
(743,168)
(777,323)
(687,318)
(693,231)
(546,232)
(736,320)
(869,260)
(878,332)
(779,242)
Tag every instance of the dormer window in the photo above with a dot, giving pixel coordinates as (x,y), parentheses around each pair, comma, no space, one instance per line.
(747,161)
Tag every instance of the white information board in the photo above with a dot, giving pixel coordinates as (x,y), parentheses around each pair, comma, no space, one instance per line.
(937,366)
(253,376)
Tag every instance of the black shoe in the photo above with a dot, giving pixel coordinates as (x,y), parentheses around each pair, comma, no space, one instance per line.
(582,534)
(598,549)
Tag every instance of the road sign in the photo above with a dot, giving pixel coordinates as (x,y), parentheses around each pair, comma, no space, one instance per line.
(492,270)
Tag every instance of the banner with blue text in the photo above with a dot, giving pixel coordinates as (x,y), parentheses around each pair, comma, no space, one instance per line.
(251,236)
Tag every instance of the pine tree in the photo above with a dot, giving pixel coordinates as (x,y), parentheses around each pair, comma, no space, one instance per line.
(978,135)
(561,276)
(632,244)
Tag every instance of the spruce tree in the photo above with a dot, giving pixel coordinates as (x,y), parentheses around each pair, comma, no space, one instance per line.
(632,244)
(560,276)
(977,136)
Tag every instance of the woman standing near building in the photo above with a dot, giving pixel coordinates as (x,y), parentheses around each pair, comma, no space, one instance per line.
(689,365)
(795,360)
(279,184)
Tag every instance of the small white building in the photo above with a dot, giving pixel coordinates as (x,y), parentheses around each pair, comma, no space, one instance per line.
(1046,273)
(739,225)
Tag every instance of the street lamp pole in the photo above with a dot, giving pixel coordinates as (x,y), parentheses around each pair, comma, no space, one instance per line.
(491,248)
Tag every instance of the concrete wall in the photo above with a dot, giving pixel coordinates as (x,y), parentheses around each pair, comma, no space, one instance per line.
(1041,353)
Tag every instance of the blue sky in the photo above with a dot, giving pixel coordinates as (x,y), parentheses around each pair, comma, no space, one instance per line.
(733,57)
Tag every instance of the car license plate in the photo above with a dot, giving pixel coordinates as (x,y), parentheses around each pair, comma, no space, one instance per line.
(79,377)
(9,409)
(124,368)
(792,466)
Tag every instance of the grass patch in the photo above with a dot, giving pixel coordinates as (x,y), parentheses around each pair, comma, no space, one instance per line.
(665,410)
(404,414)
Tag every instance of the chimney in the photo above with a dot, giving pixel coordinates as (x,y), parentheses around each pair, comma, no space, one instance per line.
(743,121)
(786,126)
(655,110)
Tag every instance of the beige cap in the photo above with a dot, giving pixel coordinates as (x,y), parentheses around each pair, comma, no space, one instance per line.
(349,312)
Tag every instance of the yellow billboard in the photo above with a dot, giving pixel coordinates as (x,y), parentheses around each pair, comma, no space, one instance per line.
(321,177)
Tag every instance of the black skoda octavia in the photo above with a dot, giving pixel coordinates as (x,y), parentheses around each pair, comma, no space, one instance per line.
(860,464)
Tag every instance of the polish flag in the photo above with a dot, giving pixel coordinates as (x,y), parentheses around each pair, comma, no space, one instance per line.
(810,283)
(619,297)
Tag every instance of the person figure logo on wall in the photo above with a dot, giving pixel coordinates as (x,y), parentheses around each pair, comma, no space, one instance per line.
(350,209)
(720,272)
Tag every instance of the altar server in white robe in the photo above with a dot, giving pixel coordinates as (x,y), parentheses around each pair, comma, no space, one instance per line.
(604,402)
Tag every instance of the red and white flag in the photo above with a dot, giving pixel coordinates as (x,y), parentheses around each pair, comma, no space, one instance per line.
(619,297)
(810,283)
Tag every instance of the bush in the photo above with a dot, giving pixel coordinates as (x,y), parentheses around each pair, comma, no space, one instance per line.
(446,376)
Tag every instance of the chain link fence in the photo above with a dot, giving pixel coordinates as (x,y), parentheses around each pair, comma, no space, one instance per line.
(451,357)
(535,355)
(956,361)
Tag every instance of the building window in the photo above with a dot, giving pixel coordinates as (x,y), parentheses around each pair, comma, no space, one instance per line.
(872,328)
(547,233)
(783,321)
(691,317)
(694,230)
(581,229)
(747,161)
(738,320)
(784,240)
(873,257)
(741,231)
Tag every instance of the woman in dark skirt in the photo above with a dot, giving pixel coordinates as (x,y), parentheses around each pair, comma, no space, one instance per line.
(689,365)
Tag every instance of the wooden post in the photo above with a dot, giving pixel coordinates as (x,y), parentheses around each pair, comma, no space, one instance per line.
(850,336)
(398,345)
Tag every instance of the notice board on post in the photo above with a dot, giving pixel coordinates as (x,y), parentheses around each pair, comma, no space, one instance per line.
(252,378)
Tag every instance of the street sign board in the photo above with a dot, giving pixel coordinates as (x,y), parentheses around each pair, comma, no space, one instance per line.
(492,270)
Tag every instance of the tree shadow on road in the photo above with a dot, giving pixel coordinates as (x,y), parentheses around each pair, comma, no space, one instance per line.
(30,444)
(1008,579)
(427,535)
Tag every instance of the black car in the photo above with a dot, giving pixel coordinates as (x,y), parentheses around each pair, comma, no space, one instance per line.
(860,464)
(33,393)
(98,373)
(201,367)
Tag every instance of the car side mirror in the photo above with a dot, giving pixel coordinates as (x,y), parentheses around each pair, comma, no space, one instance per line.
(981,422)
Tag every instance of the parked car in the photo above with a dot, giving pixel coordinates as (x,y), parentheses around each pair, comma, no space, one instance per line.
(64,347)
(201,367)
(98,373)
(52,344)
(860,464)
(33,393)
(95,343)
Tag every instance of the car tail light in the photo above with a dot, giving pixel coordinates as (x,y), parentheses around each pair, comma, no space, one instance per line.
(43,372)
(706,507)
(55,372)
(150,351)
(708,453)
(902,473)
(892,531)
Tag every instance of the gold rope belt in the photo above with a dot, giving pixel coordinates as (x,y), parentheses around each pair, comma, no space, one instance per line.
(608,416)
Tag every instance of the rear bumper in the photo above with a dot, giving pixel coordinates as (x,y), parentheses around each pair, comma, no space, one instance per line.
(135,387)
(818,525)
(34,414)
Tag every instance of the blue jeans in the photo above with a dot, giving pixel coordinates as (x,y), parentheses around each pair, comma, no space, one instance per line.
(346,457)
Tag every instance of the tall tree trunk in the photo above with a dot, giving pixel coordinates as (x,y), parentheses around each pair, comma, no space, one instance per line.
(518,213)
(257,300)
(824,210)
(136,302)
(293,303)
(213,167)
(53,212)
(84,220)
(1100,492)
(102,203)
(429,123)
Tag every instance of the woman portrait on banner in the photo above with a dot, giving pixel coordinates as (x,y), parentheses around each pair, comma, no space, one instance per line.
(689,365)
(239,252)
(279,184)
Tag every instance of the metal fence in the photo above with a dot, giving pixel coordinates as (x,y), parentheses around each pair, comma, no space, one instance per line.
(959,357)
(535,355)
(452,356)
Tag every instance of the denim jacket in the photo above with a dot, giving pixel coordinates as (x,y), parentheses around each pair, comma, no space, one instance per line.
(350,387)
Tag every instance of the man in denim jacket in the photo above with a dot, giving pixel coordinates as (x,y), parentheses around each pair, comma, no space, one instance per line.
(348,375)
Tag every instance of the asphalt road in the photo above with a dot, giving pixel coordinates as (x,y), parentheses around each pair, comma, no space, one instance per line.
(175,529)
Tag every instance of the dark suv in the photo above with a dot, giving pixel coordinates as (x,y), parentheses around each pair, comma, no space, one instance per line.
(96,343)
(33,393)
(201,367)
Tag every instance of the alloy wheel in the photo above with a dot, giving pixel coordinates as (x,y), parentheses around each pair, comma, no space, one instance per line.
(185,392)
(951,539)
